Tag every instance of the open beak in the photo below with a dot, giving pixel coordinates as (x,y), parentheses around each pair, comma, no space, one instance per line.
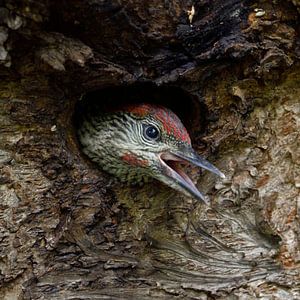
(176,177)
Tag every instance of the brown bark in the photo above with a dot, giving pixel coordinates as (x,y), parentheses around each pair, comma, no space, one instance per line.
(231,70)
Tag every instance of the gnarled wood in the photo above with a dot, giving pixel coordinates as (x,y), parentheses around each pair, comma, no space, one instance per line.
(69,231)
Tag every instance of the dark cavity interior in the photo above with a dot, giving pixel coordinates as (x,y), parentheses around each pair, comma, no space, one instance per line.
(188,107)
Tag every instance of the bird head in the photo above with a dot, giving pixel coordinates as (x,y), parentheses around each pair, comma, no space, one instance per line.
(141,141)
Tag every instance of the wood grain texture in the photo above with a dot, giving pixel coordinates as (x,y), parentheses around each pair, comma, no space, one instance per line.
(70,231)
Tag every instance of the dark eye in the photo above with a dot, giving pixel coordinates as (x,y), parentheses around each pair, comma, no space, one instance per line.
(151,132)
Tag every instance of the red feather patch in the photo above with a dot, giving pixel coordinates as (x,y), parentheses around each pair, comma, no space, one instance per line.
(170,122)
(133,160)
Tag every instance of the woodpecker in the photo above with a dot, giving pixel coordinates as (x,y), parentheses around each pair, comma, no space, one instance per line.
(139,142)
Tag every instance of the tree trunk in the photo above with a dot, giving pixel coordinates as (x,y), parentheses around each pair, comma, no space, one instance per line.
(70,231)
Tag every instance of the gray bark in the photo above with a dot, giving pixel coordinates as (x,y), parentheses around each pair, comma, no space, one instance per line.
(70,231)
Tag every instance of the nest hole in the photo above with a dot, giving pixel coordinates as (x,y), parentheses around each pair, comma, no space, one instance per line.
(188,107)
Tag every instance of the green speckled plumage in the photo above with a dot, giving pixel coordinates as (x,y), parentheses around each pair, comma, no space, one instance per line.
(120,142)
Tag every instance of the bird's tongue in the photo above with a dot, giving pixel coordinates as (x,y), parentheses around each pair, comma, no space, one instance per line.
(175,165)
(175,171)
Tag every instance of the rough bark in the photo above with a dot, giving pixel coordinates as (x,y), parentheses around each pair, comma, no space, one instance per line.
(69,231)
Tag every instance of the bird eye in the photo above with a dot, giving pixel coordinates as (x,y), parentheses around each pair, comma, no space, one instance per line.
(151,132)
